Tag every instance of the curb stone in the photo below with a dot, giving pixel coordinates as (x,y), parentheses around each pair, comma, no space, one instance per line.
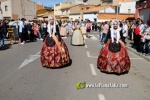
(139,54)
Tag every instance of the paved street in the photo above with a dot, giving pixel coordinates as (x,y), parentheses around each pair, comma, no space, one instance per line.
(23,78)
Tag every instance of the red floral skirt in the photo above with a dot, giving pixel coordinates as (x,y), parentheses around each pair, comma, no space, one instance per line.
(113,62)
(52,57)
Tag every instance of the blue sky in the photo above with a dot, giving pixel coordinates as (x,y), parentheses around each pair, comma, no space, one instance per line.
(49,2)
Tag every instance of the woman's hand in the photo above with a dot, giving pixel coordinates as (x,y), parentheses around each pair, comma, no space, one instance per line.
(104,45)
(59,43)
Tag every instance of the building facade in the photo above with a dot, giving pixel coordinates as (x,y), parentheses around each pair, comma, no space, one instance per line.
(143,10)
(127,7)
(39,6)
(102,2)
(107,10)
(6,8)
(77,12)
(95,2)
(59,9)
(92,14)
(17,9)
(113,16)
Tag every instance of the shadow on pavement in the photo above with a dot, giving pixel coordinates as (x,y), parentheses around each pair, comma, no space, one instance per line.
(111,73)
(31,41)
(68,65)
(117,73)
(7,46)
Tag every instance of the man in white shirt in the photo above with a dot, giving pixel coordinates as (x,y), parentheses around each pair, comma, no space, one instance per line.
(21,27)
(125,31)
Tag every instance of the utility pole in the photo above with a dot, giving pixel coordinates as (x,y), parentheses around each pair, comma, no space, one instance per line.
(117,12)
(23,10)
(22,7)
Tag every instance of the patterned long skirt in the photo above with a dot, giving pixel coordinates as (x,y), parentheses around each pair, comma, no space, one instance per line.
(83,29)
(77,38)
(52,57)
(63,31)
(110,62)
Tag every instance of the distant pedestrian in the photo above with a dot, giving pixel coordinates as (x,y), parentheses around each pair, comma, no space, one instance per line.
(130,31)
(39,32)
(147,42)
(137,37)
(1,34)
(125,31)
(88,28)
(4,31)
(44,25)
(21,29)
(98,26)
(29,29)
(101,32)
(105,31)
(141,30)
(35,31)
(95,25)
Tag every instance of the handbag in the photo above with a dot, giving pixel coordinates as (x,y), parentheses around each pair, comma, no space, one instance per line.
(147,37)
(114,47)
(50,41)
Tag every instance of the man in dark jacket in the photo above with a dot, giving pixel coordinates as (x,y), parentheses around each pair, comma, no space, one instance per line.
(3,32)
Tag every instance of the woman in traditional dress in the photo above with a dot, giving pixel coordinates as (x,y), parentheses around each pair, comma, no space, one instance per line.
(77,37)
(54,52)
(83,28)
(63,30)
(113,56)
